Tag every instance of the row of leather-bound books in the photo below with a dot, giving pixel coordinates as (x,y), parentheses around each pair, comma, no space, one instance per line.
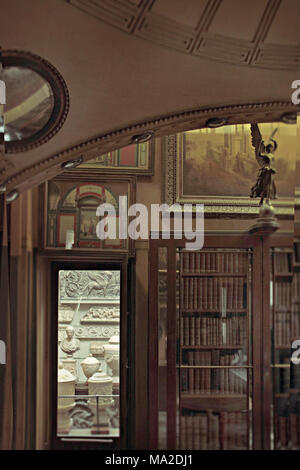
(283,295)
(206,380)
(296,286)
(282,262)
(213,330)
(214,431)
(287,432)
(208,262)
(295,321)
(213,293)
(282,328)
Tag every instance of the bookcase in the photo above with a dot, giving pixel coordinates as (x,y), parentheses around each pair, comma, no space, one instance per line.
(214,316)
(285,303)
(225,316)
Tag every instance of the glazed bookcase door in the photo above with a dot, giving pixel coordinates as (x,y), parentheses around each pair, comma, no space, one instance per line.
(285,426)
(215,360)
(206,390)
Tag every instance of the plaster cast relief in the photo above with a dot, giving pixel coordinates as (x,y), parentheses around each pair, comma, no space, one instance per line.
(88,322)
(69,344)
(101,314)
(82,415)
(96,332)
(61,333)
(65,314)
(97,349)
(90,285)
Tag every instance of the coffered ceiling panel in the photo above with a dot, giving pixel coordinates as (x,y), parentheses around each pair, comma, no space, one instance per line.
(232,19)
(187,13)
(285,26)
(232,31)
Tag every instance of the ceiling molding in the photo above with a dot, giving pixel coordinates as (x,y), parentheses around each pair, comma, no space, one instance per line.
(164,125)
(140,18)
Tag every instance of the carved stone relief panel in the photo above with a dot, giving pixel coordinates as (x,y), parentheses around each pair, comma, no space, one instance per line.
(89,285)
(100,332)
(103,314)
(65,314)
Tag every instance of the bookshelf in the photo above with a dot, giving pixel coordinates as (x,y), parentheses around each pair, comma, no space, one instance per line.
(281,289)
(213,338)
(285,327)
(229,313)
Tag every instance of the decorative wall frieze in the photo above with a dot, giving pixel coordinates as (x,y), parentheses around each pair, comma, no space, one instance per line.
(101,315)
(98,332)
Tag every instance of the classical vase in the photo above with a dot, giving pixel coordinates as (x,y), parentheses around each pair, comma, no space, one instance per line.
(100,384)
(65,386)
(112,354)
(90,365)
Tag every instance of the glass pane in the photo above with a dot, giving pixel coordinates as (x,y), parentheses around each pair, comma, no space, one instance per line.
(215,355)
(162,347)
(281,335)
(29,105)
(88,353)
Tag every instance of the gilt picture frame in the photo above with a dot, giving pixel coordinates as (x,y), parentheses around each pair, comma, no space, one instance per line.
(193,163)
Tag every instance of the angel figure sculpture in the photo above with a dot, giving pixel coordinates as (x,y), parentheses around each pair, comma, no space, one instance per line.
(264,187)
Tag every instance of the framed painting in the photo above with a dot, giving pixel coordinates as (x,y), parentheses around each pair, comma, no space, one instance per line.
(217,168)
(70,204)
(133,159)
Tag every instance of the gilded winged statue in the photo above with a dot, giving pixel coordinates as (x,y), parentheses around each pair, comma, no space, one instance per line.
(264,187)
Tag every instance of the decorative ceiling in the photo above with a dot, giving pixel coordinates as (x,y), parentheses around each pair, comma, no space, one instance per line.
(243,33)
(139,65)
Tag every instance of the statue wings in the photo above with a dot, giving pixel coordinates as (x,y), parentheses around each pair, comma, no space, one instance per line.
(259,146)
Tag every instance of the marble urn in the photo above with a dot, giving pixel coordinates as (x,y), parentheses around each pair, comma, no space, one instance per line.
(112,354)
(100,384)
(65,386)
(90,365)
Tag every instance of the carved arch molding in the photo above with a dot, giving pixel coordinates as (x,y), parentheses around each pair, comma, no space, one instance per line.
(161,126)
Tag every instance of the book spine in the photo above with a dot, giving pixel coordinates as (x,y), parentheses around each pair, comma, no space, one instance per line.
(191,371)
(192,331)
(186,331)
(183,445)
(189,431)
(196,432)
(197,331)
(192,262)
(197,267)
(197,372)
(203,431)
